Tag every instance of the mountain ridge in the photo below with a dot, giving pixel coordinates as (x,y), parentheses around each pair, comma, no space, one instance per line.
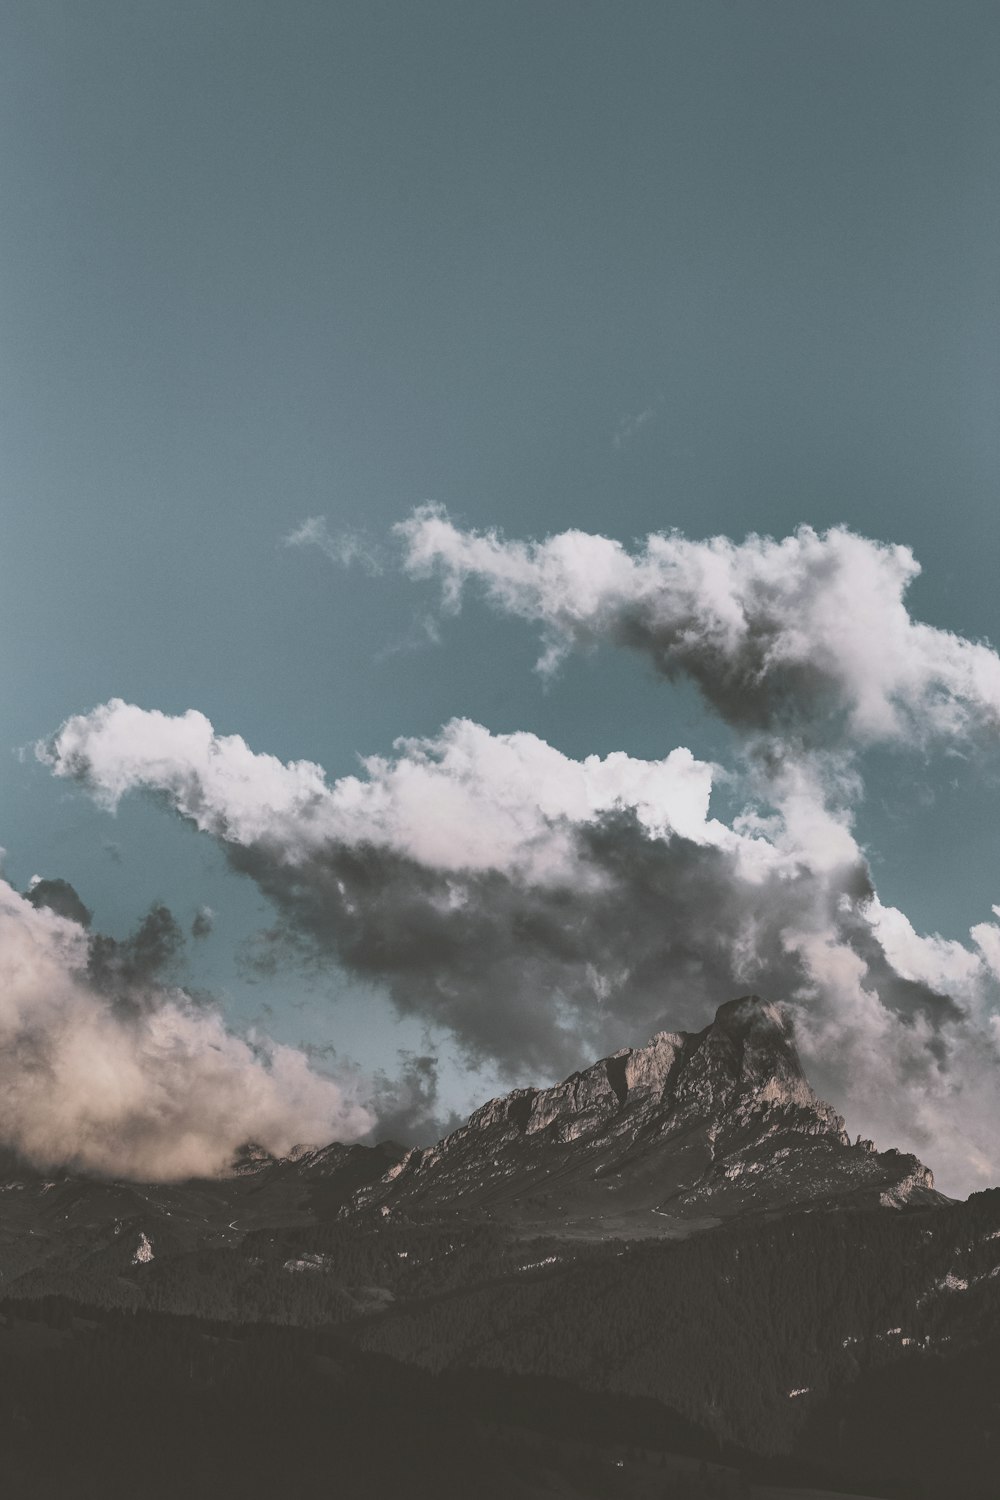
(692,1126)
(686,1133)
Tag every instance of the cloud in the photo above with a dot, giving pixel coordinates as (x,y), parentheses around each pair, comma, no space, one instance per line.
(807,638)
(103,1068)
(203,922)
(59,896)
(113,850)
(128,971)
(409,1106)
(344,547)
(456,802)
(544,910)
(629,426)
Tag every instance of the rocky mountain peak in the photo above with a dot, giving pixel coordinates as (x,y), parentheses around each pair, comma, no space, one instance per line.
(685,1126)
(743,1061)
(748,1054)
(251,1158)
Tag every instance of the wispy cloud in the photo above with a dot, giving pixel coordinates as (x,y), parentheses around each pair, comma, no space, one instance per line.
(203,922)
(629,426)
(346,547)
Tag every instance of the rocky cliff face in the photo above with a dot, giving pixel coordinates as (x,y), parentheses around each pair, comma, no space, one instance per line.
(688,1130)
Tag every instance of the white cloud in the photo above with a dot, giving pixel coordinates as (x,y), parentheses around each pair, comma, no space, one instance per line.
(809,636)
(466,800)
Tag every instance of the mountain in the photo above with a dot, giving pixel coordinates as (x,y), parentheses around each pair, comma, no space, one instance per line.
(679,1135)
(670,1139)
(681,1236)
(60,1230)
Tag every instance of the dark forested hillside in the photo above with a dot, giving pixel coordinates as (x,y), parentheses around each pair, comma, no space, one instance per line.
(851,1348)
(759,1331)
(97,1406)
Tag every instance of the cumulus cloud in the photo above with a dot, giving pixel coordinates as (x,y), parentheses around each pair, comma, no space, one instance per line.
(103,1068)
(466,800)
(544,910)
(808,638)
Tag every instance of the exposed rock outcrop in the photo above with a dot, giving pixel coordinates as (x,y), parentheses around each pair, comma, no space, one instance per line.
(692,1126)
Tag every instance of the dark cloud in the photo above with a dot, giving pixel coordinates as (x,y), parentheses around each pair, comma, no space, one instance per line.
(113,850)
(535,976)
(124,969)
(408,1106)
(59,896)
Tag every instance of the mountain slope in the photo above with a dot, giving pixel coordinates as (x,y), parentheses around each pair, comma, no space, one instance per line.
(768,1332)
(689,1132)
(59,1223)
(683,1133)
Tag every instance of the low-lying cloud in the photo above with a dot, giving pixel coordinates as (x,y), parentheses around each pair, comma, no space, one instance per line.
(105,1068)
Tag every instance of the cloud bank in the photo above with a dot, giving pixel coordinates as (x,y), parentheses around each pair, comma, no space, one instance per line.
(544,910)
(106,1069)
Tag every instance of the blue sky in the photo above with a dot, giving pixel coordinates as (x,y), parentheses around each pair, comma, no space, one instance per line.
(720,267)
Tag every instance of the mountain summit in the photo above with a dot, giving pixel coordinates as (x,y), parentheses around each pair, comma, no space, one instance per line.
(691,1129)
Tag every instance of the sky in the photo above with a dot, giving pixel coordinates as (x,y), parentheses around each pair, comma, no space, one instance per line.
(334,340)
